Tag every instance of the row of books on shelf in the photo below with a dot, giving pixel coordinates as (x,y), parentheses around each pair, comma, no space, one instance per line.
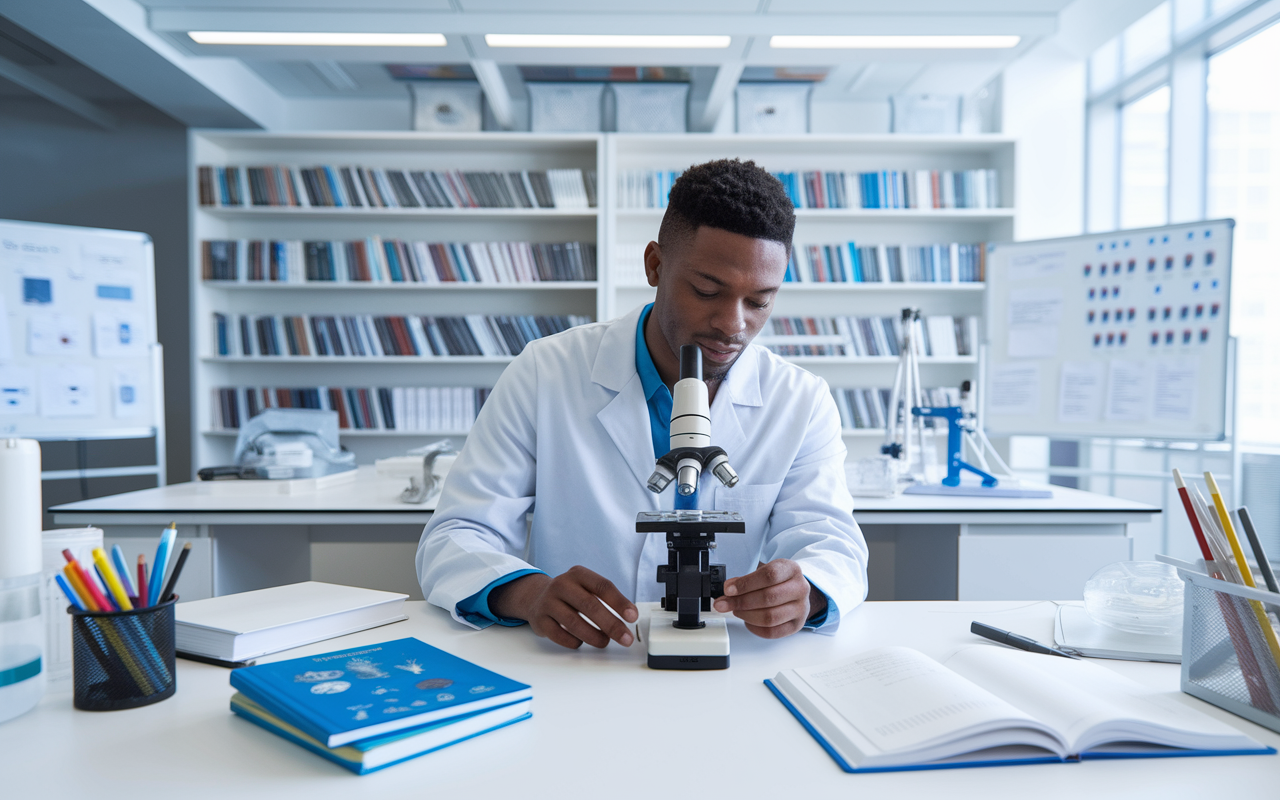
(910,188)
(850,262)
(862,409)
(366,335)
(411,409)
(377,260)
(943,337)
(377,187)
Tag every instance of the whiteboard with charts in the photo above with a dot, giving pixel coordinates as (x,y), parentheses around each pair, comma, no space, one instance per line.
(77,333)
(1110,334)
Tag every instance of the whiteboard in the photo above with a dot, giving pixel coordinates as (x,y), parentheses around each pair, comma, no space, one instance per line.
(1115,334)
(78,354)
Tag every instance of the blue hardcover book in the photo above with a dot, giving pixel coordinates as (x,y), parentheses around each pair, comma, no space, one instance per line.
(357,694)
(894,708)
(374,754)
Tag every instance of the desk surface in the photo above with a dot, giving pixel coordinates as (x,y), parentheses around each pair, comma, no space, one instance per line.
(603,724)
(370,499)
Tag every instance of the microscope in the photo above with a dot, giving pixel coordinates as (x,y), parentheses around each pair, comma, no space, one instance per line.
(678,637)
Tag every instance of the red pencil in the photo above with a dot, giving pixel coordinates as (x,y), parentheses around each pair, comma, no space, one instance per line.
(1195,522)
(142,581)
(89,583)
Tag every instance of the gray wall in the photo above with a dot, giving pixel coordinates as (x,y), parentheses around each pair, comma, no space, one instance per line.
(55,167)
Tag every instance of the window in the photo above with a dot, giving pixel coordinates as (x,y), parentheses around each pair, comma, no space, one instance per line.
(1243,182)
(1144,161)
(1147,39)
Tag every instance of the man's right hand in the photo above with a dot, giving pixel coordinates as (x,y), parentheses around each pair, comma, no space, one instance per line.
(555,607)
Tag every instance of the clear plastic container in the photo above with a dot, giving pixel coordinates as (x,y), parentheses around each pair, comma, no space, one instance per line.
(22,677)
(1136,596)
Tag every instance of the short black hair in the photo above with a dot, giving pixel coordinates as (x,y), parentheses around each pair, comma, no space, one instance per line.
(732,195)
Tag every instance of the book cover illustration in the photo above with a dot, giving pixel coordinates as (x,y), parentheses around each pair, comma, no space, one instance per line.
(392,682)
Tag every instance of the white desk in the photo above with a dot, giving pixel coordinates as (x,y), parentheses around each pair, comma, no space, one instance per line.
(246,538)
(944,547)
(924,547)
(604,725)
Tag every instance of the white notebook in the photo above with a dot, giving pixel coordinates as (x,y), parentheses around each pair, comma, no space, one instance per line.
(238,627)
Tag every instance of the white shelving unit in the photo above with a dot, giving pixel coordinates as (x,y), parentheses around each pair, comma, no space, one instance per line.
(607,226)
(485,152)
(632,226)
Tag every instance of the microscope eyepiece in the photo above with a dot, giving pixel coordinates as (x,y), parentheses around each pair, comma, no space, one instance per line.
(690,361)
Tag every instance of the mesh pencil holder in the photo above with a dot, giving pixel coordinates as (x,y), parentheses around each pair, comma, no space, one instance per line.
(122,659)
(1230,650)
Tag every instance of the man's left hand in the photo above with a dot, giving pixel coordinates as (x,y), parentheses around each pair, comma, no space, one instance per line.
(774,601)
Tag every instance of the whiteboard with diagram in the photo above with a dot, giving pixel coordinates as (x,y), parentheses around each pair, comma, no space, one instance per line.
(1110,334)
(78,355)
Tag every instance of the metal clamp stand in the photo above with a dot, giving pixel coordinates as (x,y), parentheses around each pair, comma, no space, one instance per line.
(902,426)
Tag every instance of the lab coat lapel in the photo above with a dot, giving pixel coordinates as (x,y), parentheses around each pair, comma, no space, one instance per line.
(626,417)
(741,388)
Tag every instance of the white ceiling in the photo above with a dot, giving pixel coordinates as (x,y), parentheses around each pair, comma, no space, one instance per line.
(142,45)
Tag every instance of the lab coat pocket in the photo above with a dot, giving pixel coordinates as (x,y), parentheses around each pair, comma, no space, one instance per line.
(740,553)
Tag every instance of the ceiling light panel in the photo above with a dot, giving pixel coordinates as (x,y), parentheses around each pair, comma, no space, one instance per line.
(573,40)
(893,42)
(318,39)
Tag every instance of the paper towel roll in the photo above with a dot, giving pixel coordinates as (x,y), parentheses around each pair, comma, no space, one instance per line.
(20,507)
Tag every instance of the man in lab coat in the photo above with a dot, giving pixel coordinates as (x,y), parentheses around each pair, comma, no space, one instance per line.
(573,427)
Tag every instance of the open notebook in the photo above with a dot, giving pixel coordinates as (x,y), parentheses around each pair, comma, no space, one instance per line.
(895,708)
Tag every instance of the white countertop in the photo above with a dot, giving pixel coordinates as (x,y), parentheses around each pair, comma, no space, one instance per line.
(604,725)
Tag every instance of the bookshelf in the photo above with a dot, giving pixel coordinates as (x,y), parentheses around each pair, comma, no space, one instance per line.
(631,227)
(617,289)
(403,151)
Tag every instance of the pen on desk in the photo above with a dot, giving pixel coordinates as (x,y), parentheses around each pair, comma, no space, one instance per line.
(177,570)
(142,581)
(1014,640)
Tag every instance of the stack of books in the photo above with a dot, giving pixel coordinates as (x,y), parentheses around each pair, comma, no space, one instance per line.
(910,188)
(373,336)
(944,337)
(377,260)
(366,708)
(375,187)
(411,409)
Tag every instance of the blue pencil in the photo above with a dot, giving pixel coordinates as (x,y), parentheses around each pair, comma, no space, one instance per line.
(69,592)
(122,569)
(161,564)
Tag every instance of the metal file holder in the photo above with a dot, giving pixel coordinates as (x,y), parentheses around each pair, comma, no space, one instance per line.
(1226,657)
(123,659)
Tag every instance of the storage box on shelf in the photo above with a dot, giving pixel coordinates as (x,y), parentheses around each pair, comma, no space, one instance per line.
(851,260)
(383,259)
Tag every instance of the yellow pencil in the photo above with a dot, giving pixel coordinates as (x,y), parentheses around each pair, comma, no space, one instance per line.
(113,581)
(73,578)
(1246,574)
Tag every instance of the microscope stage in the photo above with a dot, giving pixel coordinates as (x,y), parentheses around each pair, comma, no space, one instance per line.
(673,648)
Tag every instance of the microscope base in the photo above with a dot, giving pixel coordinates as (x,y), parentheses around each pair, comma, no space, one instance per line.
(673,648)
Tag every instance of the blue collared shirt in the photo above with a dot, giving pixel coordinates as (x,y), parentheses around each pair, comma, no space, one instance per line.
(658,397)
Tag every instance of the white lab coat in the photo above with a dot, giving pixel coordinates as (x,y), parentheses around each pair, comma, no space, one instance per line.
(565,434)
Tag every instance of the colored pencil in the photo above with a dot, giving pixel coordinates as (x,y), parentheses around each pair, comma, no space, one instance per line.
(1246,574)
(177,570)
(161,564)
(142,581)
(77,583)
(122,570)
(90,586)
(1264,565)
(111,579)
(70,593)
(1191,515)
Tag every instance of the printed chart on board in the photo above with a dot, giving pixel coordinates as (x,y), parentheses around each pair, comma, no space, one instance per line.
(77,332)
(1116,334)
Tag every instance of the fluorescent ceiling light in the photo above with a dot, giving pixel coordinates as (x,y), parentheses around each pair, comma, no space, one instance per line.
(894,42)
(605,40)
(320,39)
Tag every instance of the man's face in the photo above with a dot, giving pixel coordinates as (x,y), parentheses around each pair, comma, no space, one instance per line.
(715,290)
